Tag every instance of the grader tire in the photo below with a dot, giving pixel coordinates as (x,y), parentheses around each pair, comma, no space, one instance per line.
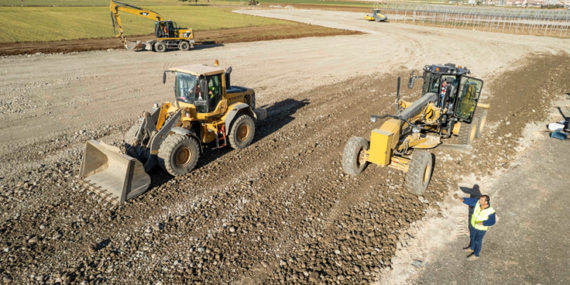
(178,154)
(467,132)
(354,158)
(481,116)
(419,172)
(242,132)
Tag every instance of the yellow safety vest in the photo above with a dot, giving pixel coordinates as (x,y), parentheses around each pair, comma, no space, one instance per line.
(480,215)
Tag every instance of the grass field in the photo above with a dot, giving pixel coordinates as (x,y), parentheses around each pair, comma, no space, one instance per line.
(65,23)
(86,3)
(145,3)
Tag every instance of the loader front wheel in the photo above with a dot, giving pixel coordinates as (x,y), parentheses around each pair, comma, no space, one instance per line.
(130,134)
(419,172)
(467,132)
(160,47)
(242,132)
(178,154)
(354,157)
(481,116)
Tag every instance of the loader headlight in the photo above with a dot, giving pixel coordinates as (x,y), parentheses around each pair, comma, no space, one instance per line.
(372,118)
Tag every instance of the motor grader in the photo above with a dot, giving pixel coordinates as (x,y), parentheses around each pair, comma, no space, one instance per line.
(208,113)
(448,107)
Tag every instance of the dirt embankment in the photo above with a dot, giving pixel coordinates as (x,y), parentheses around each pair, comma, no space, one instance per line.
(213,37)
(278,211)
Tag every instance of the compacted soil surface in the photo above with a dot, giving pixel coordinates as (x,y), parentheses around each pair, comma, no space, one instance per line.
(279,211)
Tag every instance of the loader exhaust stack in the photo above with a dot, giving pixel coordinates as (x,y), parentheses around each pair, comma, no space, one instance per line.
(119,176)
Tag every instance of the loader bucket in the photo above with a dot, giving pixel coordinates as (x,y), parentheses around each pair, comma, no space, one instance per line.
(118,176)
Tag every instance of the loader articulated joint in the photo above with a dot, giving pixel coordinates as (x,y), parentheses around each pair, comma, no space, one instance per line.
(157,139)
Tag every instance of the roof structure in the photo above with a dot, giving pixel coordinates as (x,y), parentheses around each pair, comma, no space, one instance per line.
(198,69)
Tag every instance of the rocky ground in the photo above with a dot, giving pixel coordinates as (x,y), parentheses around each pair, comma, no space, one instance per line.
(279,211)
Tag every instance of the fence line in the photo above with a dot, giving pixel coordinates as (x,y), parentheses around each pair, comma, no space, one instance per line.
(517,21)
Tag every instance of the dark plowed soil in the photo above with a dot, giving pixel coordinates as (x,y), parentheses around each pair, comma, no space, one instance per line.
(223,36)
(279,211)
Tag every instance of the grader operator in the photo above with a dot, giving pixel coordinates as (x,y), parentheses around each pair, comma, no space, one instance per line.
(168,34)
(449,106)
(208,113)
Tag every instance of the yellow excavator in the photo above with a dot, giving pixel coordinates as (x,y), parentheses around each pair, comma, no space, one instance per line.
(208,113)
(449,106)
(168,34)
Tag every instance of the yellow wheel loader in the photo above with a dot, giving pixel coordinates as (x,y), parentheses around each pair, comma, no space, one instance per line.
(449,106)
(168,34)
(208,113)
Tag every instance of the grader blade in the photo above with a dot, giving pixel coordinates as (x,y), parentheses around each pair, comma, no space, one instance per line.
(464,148)
(118,176)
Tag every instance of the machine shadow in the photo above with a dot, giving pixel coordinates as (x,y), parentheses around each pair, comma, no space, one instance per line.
(196,47)
(278,115)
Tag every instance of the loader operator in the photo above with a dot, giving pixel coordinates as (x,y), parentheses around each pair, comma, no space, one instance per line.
(483,217)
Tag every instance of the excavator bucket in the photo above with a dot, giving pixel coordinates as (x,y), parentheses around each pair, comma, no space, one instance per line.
(132,45)
(118,176)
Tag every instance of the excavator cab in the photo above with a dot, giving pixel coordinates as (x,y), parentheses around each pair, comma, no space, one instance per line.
(165,29)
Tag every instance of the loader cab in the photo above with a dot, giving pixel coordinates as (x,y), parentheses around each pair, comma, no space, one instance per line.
(199,85)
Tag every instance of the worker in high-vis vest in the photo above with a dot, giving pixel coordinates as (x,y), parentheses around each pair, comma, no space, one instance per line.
(483,217)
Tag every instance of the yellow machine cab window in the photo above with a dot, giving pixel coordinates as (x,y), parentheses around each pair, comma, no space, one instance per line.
(185,87)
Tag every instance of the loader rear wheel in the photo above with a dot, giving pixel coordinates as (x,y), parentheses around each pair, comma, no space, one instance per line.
(467,132)
(178,154)
(481,116)
(354,157)
(419,172)
(242,132)
(160,47)
(185,46)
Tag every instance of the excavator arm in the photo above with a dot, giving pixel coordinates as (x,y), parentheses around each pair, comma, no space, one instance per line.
(117,7)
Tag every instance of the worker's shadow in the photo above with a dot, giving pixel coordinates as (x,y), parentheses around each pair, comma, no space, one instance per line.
(474,193)
(562,113)
(278,115)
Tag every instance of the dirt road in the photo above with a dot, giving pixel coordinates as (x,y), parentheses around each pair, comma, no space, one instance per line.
(280,210)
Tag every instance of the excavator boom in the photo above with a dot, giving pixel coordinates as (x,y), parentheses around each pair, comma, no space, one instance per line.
(117,7)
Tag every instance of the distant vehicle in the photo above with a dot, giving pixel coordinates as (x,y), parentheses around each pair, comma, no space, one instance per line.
(376,16)
(168,34)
